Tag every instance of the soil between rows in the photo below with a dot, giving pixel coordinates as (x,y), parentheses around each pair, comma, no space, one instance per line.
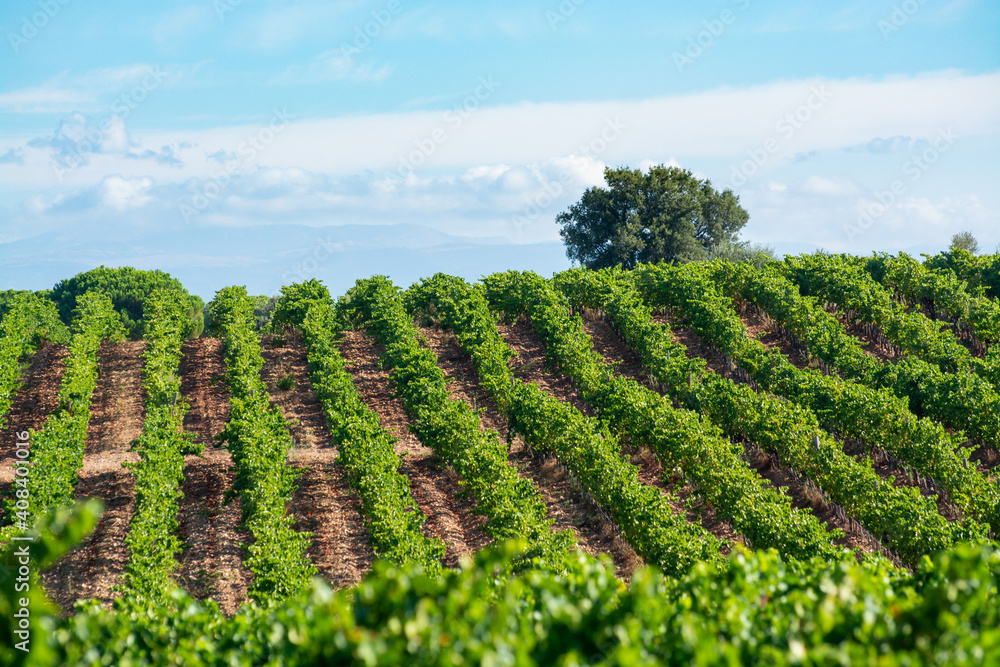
(95,566)
(212,559)
(34,401)
(530,366)
(768,335)
(434,485)
(324,503)
(565,503)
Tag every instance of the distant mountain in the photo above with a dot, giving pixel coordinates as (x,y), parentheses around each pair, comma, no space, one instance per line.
(266,257)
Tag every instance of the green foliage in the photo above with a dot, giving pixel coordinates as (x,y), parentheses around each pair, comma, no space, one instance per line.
(366,450)
(751,609)
(287,382)
(26,320)
(681,438)
(128,289)
(941,290)
(257,437)
(665,214)
(148,578)
(26,615)
(842,279)
(744,251)
(57,450)
(263,309)
(511,504)
(296,300)
(920,443)
(582,444)
(977,271)
(884,509)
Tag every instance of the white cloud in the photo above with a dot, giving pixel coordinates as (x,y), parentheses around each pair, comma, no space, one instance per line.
(66,93)
(727,124)
(719,123)
(125,193)
(528,162)
(335,65)
(46,98)
(829,187)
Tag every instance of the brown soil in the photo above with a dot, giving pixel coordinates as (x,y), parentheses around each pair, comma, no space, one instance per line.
(530,366)
(874,346)
(566,505)
(36,399)
(769,337)
(93,568)
(987,457)
(324,503)
(212,560)
(434,485)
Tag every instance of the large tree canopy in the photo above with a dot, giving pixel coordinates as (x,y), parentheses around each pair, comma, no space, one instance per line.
(665,214)
(128,289)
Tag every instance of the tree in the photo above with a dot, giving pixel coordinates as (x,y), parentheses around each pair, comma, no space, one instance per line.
(128,289)
(665,214)
(964,241)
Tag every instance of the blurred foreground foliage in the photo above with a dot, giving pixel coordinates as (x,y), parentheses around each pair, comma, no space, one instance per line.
(759,609)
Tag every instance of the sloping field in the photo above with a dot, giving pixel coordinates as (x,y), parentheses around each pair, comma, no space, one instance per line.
(803,414)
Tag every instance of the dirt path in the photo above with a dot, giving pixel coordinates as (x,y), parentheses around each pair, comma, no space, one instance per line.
(212,561)
(565,503)
(95,566)
(434,485)
(324,503)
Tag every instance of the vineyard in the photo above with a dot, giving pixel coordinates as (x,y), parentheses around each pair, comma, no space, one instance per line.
(782,462)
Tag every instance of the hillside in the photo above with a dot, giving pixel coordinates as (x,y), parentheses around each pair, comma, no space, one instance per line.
(812,412)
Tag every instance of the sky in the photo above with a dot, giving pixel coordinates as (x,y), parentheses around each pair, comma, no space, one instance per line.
(262,143)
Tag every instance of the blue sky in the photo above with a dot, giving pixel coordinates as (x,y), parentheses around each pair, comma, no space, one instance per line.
(257,143)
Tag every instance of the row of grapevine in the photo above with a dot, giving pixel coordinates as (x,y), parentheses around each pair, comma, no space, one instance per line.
(258,439)
(872,416)
(27,319)
(910,524)
(681,438)
(56,453)
(941,288)
(840,280)
(511,504)
(152,544)
(979,272)
(962,401)
(365,449)
(582,444)
(861,409)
